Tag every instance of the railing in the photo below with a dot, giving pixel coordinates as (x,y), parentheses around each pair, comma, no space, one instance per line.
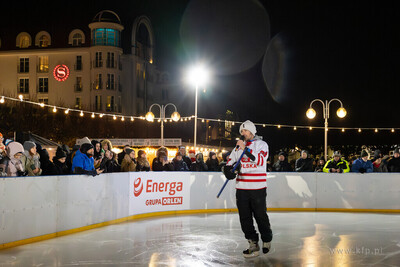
(118,196)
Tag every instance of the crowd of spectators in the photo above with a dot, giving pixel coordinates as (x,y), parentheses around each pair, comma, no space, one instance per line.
(93,157)
(364,163)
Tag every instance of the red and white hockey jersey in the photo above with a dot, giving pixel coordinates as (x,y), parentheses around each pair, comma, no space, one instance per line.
(253,174)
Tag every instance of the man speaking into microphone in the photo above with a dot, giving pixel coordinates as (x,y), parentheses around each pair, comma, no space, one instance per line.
(251,188)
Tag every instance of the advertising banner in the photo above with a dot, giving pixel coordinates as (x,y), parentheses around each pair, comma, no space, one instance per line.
(155,191)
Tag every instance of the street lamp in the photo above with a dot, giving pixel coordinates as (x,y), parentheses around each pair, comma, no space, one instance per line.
(197,76)
(311,113)
(150,117)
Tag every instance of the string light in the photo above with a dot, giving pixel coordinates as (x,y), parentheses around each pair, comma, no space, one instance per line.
(66,111)
(93,115)
(279,126)
(392,130)
(2,100)
(42,105)
(342,130)
(326,129)
(54,109)
(114,117)
(310,128)
(21,97)
(132,119)
(376,130)
(101,115)
(295,128)
(81,114)
(202,120)
(359,130)
(122,119)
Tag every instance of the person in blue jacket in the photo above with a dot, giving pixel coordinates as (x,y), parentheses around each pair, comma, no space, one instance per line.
(362,164)
(83,162)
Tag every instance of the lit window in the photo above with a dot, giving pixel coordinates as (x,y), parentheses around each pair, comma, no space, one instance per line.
(24,42)
(78,103)
(109,37)
(110,103)
(98,103)
(43,64)
(43,41)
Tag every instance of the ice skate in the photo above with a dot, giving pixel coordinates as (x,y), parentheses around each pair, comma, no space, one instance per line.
(253,250)
(266,247)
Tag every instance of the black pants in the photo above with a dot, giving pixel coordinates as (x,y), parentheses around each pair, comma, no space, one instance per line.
(253,203)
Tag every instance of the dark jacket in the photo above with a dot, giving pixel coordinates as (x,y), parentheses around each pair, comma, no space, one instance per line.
(179,165)
(60,168)
(121,156)
(142,165)
(394,165)
(187,160)
(304,165)
(158,166)
(282,166)
(109,165)
(380,168)
(47,166)
(199,165)
(213,165)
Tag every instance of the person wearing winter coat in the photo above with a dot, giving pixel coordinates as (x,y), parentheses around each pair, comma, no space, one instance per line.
(83,162)
(11,164)
(304,164)
(185,158)
(30,159)
(160,163)
(47,166)
(199,165)
(224,160)
(106,145)
(320,165)
(362,164)
(143,165)
(212,162)
(282,165)
(129,162)
(337,164)
(59,162)
(378,164)
(109,163)
(394,163)
(179,164)
(97,156)
(122,154)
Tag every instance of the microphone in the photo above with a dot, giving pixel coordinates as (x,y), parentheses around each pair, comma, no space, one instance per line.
(241,138)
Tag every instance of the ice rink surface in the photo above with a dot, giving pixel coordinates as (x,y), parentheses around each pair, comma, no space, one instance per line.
(300,239)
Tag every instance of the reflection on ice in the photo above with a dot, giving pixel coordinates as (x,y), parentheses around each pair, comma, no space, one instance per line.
(300,239)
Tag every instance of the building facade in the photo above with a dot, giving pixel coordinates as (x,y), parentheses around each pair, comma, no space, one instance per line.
(90,71)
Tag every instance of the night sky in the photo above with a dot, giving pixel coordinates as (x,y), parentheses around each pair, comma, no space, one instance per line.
(311,49)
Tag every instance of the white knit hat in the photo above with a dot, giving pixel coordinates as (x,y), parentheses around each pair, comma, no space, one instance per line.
(248,125)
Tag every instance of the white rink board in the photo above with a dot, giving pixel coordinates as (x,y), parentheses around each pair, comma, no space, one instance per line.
(35,206)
